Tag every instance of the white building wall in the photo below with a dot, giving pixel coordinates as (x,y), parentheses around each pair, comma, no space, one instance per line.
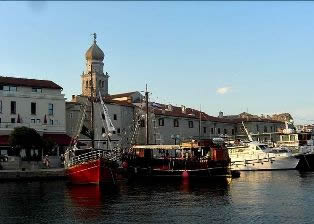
(23,98)
(123,123)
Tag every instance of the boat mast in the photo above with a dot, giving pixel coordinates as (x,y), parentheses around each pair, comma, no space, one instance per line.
(92,99)
(147,130)
(200,124)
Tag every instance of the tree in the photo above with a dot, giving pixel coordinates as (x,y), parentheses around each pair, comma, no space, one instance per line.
(48,145)
(25,138)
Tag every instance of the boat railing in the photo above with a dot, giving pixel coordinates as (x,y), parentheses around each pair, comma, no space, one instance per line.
(92,155)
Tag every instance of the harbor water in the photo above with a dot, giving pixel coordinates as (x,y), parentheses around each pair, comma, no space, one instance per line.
(255,197)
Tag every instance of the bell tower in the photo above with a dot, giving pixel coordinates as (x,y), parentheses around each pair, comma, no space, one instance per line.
(94,77)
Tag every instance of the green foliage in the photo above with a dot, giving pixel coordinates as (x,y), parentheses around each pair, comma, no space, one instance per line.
(25,138)
(48,145)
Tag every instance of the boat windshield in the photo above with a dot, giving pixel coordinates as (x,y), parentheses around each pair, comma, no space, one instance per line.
(262,147)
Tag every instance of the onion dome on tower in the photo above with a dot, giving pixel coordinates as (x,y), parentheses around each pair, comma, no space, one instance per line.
(94,52)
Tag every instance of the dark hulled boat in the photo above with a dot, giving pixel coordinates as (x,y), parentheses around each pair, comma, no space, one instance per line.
(194,160)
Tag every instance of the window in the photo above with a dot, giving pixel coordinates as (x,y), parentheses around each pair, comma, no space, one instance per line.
(235,130)
(0,119)
(71,115)
(265,128)
(232,131)
(33,121)
(142,123)
(118,130)
(0,106)
(257,128)
(204,130)
(218,130)
(114,117)
(175,123)
(50,121)
(33,108)
(86,84)
(271,128)
(13,107)
(13,88)
(50,109)
(212,130)
(38,121)
(36,90)
(190,124)
(9,88)
(12,120)
(161,122)
(114,132)
(225,131)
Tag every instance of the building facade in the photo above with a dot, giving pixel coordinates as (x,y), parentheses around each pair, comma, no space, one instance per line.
(37,104)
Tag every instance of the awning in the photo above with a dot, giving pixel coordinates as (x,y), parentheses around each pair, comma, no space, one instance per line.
(163,147)
(60,139)
(4,140)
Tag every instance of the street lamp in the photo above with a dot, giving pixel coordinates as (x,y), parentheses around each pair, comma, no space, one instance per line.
(175,138)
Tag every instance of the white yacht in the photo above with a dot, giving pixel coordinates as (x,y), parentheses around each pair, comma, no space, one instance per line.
(258,156)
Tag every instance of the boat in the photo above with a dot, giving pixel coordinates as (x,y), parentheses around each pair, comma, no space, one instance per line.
(253,156)
(306,156)
(91,165)
(189,160)
(197,159)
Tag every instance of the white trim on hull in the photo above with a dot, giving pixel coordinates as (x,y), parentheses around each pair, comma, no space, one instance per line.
(275,163)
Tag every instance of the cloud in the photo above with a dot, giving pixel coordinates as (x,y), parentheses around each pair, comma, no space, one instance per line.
(223,90)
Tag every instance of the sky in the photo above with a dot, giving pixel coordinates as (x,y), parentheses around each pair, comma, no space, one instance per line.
(256,57)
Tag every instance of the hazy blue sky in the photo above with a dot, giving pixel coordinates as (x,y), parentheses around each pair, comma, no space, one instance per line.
(229,56)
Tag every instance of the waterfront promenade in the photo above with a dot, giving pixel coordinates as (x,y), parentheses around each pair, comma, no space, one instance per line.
(38,174)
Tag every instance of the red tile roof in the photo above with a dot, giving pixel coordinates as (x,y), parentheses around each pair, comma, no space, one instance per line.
(28,82)
(162,109)
(121,95)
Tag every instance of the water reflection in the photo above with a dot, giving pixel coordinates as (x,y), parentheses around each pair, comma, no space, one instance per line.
(89,201)
(255,197)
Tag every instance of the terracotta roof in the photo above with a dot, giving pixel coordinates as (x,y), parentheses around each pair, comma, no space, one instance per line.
(106,100)
(28,82)
(254,119)
(122,103)
(121,95)
(162,109)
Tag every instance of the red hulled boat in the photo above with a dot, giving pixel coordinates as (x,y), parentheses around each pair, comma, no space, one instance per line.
(93,167)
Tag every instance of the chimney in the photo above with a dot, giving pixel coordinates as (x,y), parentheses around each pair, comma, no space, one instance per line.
(169,107)
(221,114)
(73,97)
(183,109)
